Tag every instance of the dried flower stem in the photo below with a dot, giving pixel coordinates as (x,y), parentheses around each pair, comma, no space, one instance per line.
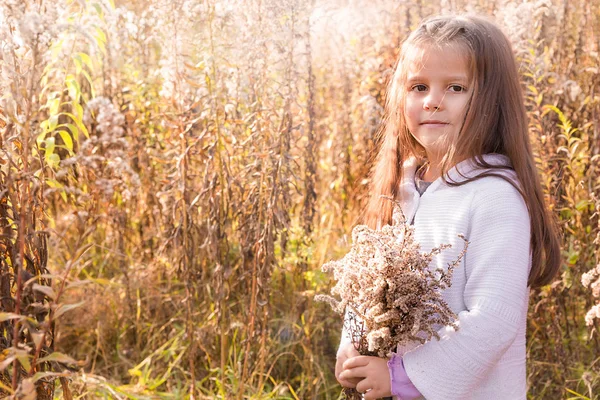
(392,296)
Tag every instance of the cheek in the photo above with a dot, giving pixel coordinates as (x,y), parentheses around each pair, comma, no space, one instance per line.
(463,107)
(412,113)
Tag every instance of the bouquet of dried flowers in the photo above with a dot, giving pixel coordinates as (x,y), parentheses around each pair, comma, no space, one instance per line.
(391,296)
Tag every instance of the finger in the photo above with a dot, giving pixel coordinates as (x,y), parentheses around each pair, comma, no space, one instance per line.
(339,365)
(358,361)
(363,386)
(358,372)
(353,379)
(349,383)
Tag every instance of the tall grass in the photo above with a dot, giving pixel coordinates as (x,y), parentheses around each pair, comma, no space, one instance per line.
(175,173)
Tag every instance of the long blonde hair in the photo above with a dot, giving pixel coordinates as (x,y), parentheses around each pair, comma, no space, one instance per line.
(495,122)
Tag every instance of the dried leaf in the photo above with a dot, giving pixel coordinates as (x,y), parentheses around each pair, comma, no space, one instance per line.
(27,390)
(63,308)
(58,357)
(6,361)
(46,290)
(5,316)
(47,374)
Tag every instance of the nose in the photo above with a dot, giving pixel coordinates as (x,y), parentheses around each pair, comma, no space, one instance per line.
(433,101)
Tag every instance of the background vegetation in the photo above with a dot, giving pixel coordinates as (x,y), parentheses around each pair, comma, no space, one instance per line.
(175,172)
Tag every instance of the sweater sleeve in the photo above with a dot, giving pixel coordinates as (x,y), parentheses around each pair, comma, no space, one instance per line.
(401,385)
(495,296)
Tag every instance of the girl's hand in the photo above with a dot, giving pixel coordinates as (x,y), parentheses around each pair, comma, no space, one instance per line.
(344,353)
(375,376)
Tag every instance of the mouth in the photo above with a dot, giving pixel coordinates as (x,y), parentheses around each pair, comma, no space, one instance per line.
(434,123)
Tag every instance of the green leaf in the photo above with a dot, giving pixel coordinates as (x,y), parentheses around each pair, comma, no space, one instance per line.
(50,145)
(47,69)
(78,64)
(67,139)
(157,382)
(89,79)
(58,357)
(73,86)
(54,106)
(57,47)
(101,35)
(533,89)
(11,354)
(77,110)
(98,9)
(41,137)
(52,123)
(74,130)
(582,205)
(54,184)
(24,360)
(78,122)
(53,160)
(573,257)
(86,60)
(580,396)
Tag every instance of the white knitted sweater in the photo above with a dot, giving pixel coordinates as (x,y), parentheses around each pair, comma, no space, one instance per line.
(485,358)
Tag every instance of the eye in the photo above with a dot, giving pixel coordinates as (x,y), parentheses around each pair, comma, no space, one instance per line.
(457,88)
(418,88)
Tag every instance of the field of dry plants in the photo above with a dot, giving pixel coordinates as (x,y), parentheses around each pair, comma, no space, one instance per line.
(175,172)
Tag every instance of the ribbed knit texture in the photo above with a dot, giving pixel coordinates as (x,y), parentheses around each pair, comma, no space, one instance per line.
(485,358)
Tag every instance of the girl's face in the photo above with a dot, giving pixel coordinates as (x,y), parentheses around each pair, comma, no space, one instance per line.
(437,92)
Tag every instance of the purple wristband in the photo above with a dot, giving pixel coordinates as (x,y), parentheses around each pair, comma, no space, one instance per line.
(400,382)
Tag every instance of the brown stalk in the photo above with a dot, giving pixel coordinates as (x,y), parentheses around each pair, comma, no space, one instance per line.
(24,209)
(258,253)
(221,207)
(183,166)
(310,196)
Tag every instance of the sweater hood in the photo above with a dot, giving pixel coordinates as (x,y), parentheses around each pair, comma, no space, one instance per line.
(464,170)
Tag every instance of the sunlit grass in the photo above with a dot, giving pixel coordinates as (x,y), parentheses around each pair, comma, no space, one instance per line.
(179,206)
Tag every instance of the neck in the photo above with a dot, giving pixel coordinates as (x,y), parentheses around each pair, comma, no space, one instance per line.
(433,169)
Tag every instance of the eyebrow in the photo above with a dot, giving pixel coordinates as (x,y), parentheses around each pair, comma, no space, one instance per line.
(460,78)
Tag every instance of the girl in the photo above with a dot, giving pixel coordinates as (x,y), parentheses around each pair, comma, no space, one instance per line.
(455,151)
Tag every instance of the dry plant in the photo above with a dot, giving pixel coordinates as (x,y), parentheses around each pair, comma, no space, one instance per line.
(591,278)
(31,296)
(208,157)
(386,285)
